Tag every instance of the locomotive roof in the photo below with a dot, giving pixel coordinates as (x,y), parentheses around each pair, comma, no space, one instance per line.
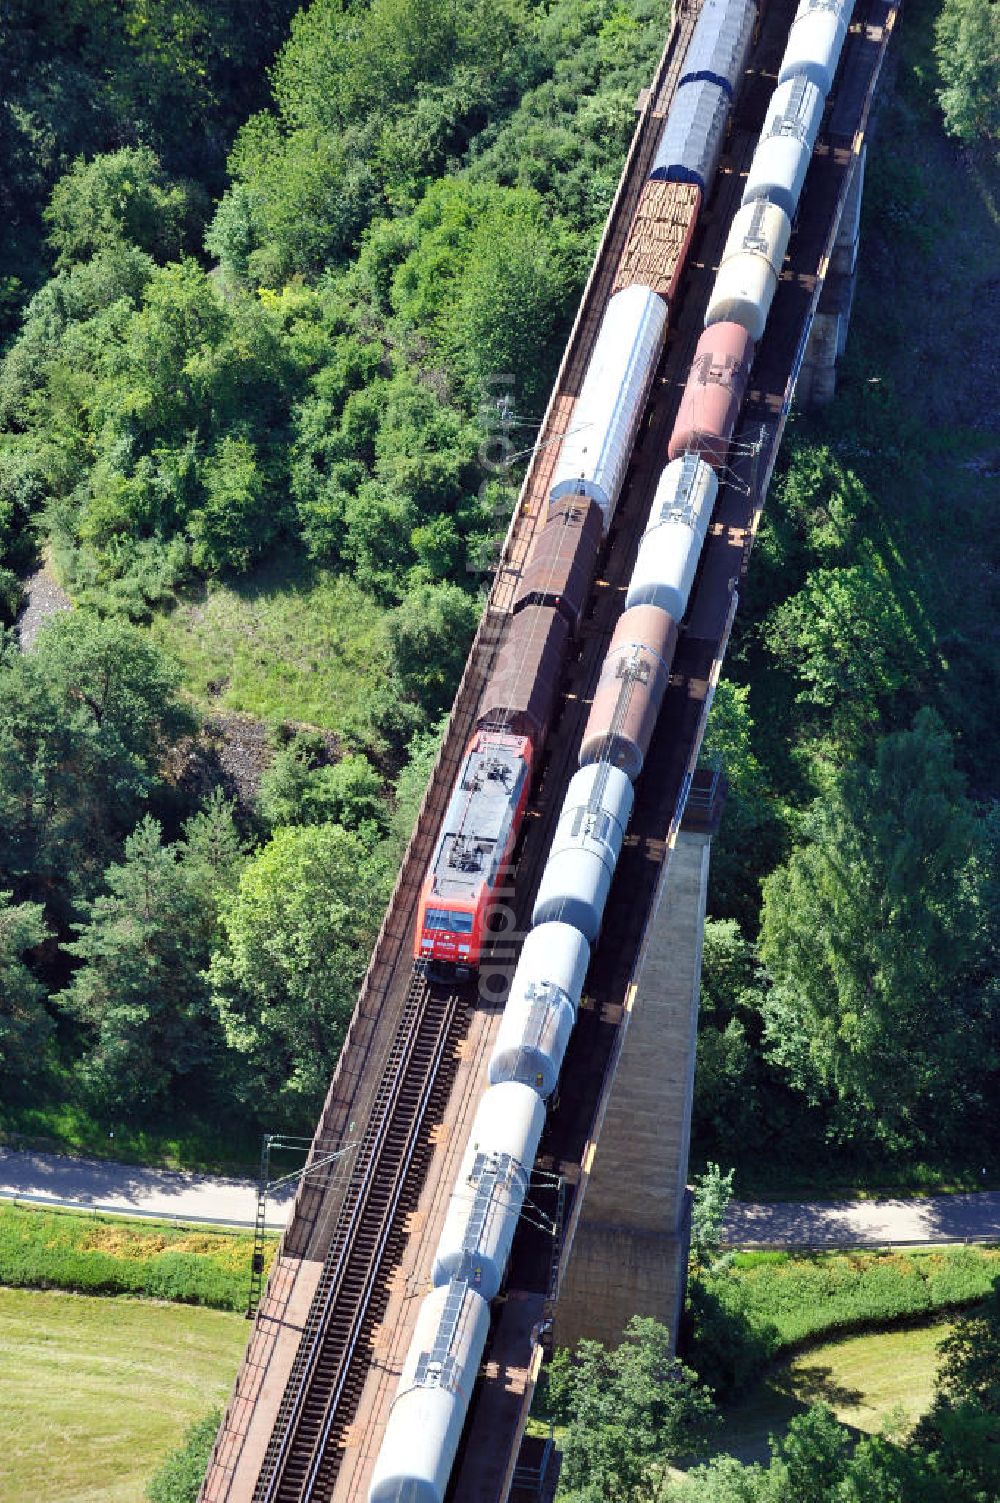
(478,817)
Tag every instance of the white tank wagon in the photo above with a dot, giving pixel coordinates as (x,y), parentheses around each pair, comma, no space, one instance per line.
(432,1399)
(595,452)
(782,158)
(541,1008)
(675,534)
(691,143)
(815,42)
(751,265)
(486,1202)
(721,42)
(585,849)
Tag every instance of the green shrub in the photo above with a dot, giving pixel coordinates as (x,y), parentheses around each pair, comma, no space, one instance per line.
(179,1478)
(792,1300)
(108,1255)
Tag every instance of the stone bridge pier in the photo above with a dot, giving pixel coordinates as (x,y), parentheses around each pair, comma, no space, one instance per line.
(629,1255)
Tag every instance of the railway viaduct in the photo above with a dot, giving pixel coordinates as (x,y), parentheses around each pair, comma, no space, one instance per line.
(607,1231)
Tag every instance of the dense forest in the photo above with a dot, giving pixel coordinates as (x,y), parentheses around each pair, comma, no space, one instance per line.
(283,293)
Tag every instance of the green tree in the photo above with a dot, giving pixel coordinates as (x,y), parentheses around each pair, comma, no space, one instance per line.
(122,196)
(85,718)
(140,989)
(488,282)
(726,1084)
(429,637)
(812,1455)
(411,785)
(211,855)
(808,1464)
(967,50)
(296,937)
(871,932)
(631,1412)
(301,788)
(25,1025)
(750,818)
(367,102)
(856,641)
(961,1430)
(713,1191)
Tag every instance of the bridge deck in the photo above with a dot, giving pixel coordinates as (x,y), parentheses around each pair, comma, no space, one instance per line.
(501,1404)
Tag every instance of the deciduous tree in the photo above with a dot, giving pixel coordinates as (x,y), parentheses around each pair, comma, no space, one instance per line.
(630,1412)
(967,50)
(296,938)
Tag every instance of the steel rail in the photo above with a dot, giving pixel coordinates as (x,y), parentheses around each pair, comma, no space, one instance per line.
(379,1179)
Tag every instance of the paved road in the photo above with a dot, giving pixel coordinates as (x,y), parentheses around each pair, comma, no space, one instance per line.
(96,1184)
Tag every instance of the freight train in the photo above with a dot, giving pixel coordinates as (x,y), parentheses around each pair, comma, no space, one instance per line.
(435,1386)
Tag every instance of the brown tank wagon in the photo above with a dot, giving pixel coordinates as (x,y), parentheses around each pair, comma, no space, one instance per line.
(520,693)
(714,394)
(561,566)
(630,690)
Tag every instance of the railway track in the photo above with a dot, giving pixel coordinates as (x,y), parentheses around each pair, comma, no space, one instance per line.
(387,1168)
(362,1226)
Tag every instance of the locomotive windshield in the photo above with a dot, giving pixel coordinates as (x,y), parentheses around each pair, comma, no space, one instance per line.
(450,923)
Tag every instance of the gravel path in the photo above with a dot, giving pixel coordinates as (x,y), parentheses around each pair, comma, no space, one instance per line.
(97,1184)
(865,1223)
(51,1179)
(43,598)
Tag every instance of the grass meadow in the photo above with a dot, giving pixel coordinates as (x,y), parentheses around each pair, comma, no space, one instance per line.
(869,1381)
(98,1392)
(287,643)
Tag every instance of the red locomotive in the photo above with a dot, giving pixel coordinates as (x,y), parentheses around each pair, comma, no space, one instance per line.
(477,837)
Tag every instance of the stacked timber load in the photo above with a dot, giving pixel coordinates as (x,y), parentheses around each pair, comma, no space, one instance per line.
(656,249)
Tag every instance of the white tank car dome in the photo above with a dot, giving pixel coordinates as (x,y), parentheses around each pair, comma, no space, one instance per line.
(751,265)
(584,852)
(432,1398)
(783,154)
